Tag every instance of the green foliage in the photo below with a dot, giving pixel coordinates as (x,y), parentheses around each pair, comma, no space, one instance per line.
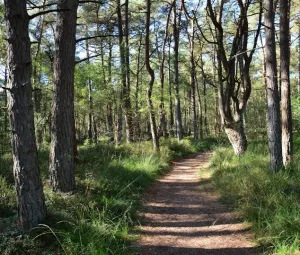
(100,216)
(269,201)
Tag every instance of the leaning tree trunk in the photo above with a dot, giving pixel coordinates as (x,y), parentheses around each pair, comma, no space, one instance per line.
(286,111)
(30,196)
(274,123)
(61,150)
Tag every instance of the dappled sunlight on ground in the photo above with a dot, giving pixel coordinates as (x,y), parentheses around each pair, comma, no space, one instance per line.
(182,215)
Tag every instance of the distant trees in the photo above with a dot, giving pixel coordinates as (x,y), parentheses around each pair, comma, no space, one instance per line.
(29,187)
(207,63)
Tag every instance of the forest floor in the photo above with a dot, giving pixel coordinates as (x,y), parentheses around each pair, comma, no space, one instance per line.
(184,215)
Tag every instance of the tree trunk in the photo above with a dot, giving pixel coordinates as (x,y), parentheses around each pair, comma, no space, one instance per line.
(193,82)
(109,108)
(171,120)
(236,135)
(29,187)
(155,139)
(176,32)
(125,71)
(286,111)
(61,149)
(274,124)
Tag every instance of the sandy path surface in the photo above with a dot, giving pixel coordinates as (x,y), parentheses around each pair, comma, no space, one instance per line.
(182,215)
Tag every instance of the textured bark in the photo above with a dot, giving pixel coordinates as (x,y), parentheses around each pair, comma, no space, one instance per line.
(155,139)
(61,150)
(237,137)
(31,202)
(286,111)
(176,32)
(273,114)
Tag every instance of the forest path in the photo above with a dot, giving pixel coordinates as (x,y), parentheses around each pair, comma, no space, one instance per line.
(183,215)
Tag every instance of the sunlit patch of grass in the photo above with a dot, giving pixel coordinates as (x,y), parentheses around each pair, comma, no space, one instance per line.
(99,216)
(269,201)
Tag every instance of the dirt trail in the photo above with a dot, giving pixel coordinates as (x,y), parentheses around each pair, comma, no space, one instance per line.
(182,215)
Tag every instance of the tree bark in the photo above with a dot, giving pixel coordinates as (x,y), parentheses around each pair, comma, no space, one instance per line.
(273,114)
(286,111)
(30,196)
(61,149)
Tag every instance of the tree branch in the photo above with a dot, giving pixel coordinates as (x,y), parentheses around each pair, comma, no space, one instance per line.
(45,12)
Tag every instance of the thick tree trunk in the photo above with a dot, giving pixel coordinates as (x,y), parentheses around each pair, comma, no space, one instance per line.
(31,201)
(236,135)
(274,123)
(61,150)
(286,111)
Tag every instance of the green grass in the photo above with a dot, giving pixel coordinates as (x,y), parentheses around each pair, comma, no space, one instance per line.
(271,202)
(99,217)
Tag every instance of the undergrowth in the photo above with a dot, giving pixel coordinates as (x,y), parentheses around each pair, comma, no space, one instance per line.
(98,218)
(271,202)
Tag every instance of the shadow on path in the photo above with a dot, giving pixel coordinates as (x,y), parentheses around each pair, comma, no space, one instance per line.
(182,215)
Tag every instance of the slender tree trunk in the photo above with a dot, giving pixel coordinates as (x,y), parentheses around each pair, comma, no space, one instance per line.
(109,108)
(61,149)
(274,124)
(124,55)
(30,196)
(200,109)
(176,32)
(163,121)
(155,139)
(90,98)
(171,121)
(299,56)
(5,100)
(193,82)
(204,94)
(137,127)
(286,111)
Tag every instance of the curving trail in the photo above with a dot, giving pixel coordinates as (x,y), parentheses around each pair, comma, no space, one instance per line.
(182,215)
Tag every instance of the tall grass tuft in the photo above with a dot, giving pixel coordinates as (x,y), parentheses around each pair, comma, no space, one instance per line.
(271,202)
(99,216)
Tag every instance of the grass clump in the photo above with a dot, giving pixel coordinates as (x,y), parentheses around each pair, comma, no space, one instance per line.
(269,201)
(99,216)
